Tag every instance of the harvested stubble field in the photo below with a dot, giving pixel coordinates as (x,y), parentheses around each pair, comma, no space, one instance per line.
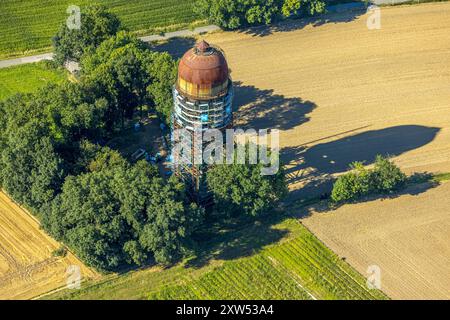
(27,267)
(407,237)
(341,93)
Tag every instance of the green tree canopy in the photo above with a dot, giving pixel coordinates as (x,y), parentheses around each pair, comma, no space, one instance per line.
(242,189)
(30,169)
(118,213)
(97,25)
(384,178)
(233,14)
(129,75)
(118,71)
(163,73)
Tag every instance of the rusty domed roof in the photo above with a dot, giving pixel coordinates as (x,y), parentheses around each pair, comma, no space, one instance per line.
(203,65)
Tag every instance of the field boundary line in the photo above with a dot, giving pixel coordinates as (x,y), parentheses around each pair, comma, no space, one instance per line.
(149,38)
(339,257)
(21,207)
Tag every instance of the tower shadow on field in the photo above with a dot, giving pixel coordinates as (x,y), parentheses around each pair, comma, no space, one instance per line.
(245,238)
(262,109)
(256,109)
(325,159)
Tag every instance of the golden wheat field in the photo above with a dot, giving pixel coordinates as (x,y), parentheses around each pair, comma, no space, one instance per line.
(340,92)
(27,267)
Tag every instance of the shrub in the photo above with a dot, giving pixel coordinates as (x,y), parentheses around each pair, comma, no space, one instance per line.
(352,185)
(384,178)
(60,252)
(387,176)
(343,188)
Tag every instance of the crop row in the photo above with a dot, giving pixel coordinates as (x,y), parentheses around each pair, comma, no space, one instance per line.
(247,278)
(29,25)
(301,268)
(321,270)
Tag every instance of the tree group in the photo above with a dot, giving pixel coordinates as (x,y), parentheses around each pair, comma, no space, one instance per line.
(96,25)
(242,189)
(233,14)
(54,161)
(384,178)
(108,211)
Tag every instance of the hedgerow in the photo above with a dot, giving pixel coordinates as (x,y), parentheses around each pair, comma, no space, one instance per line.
(384,178)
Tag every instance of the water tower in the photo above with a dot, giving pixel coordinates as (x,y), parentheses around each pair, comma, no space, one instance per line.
(203,96)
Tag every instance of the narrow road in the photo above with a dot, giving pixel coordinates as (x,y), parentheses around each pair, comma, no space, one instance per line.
(357,5)
(29,59)
(156,37)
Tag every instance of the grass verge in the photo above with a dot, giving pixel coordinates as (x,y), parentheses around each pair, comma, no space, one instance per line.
(275,259)
(27,78)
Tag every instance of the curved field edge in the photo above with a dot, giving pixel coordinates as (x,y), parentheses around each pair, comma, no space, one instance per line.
(298,266)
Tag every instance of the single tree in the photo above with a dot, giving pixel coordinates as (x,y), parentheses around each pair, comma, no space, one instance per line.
(163,73)
(97,25)
(242,189)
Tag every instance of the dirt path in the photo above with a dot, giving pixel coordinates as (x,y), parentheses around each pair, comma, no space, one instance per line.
(407,237)
(27,267)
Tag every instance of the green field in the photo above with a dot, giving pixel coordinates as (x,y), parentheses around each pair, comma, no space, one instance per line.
(258,261)
(27,78)
(27,26)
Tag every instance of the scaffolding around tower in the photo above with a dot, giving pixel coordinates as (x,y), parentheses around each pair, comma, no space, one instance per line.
(203,98)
